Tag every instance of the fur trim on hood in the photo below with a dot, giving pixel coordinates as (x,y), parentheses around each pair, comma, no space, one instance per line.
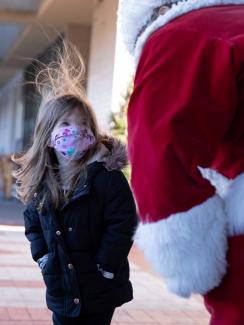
(113,154)
(134,14)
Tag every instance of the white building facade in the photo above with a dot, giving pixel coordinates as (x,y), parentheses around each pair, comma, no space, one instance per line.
(90,25)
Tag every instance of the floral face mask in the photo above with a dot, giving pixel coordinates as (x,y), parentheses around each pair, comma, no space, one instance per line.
(72,141)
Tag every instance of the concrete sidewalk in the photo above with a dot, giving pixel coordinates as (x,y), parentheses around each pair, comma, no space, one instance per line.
(22,293)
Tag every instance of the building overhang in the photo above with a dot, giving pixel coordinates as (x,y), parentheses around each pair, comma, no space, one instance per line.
(27,27)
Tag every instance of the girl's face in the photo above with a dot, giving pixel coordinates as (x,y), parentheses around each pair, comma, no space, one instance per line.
(71,137)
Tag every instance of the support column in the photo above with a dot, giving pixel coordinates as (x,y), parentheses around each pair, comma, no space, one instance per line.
(102,58)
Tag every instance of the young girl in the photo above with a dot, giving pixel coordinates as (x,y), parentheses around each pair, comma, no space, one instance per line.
(80,215)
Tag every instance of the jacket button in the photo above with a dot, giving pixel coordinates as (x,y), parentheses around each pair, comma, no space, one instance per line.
(70,228)
(58,232)
(76,301)
(70,266)
(35,194)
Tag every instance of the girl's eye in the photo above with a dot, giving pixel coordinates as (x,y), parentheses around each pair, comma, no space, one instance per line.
(64,123)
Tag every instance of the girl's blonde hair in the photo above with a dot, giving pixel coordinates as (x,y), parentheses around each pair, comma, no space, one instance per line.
(61,85)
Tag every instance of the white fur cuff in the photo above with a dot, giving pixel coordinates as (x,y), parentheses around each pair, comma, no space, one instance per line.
(189,248)
(234,206)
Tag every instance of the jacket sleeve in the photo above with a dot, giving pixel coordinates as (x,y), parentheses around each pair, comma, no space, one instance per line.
(183,103)
(120,221)
(34,233)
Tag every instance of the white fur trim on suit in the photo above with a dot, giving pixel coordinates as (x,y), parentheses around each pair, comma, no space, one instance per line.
(232,192)
(219,181)
(234,206)
(134,14)
(188,249)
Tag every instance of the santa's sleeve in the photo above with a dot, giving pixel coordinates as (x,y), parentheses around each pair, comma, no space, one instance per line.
(182,106)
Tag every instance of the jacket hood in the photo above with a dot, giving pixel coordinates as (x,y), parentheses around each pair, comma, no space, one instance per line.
(113,154)
(138,18)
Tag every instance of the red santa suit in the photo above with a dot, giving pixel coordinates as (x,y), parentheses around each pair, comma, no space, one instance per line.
(186,145)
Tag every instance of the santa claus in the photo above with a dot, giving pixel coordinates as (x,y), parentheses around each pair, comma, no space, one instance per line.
(186,145)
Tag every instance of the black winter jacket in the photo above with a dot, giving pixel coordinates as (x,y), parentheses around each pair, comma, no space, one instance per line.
(95,226)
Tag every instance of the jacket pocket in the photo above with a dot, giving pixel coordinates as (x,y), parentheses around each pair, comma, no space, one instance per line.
(100,284)
(54,284)
(52,265)
(52,276)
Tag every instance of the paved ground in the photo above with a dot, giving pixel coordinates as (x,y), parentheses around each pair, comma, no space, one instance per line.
(22,294)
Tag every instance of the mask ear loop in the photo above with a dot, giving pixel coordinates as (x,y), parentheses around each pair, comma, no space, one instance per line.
(50,144)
